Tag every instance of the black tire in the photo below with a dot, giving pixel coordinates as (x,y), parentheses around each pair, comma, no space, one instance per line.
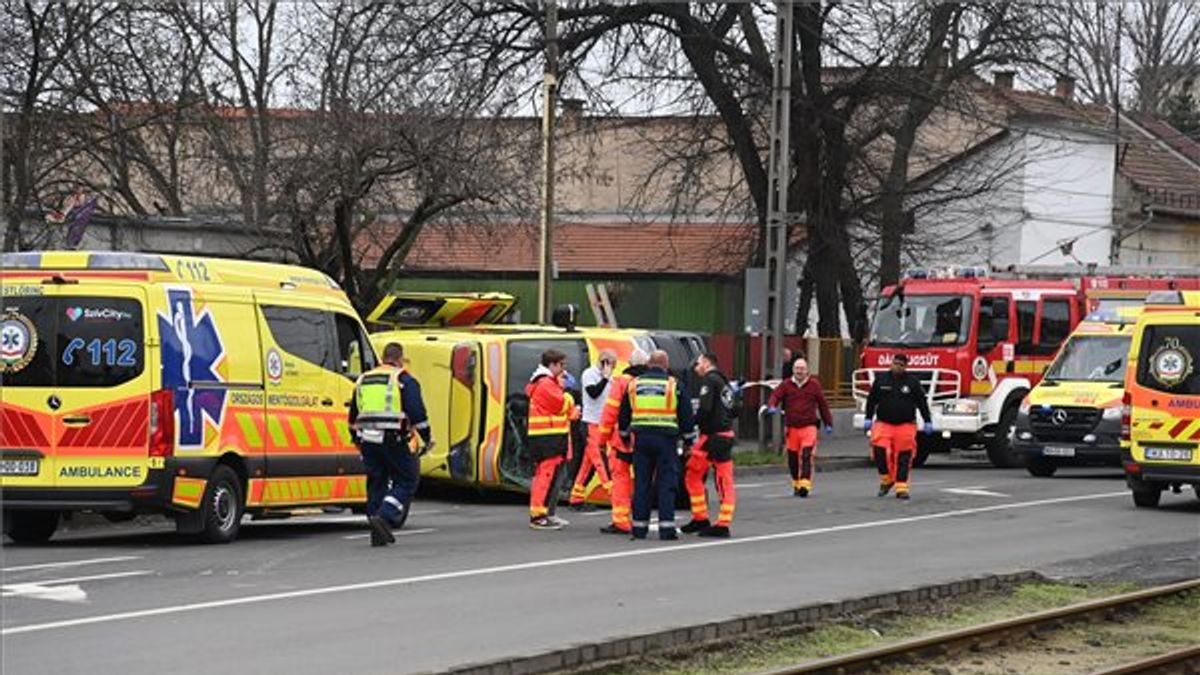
(999,449)
(1041,468)
(31,527)
(223,506)
(1196,491)
(1145,495)
(928,444)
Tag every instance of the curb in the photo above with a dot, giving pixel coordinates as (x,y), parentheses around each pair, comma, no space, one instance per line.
(591,656)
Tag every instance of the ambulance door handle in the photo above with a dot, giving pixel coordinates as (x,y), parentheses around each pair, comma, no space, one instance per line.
(327,402)
(77,421)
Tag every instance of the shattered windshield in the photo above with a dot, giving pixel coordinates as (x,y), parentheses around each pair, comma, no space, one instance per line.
(904,320)
(1091,358)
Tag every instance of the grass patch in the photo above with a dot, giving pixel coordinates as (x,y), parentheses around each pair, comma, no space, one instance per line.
(854,633)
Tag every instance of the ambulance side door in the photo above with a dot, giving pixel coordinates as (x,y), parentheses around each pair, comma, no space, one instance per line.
(354,356)
(302,390)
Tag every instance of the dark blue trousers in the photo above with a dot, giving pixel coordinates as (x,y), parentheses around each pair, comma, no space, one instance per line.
(393,473)
(655,476)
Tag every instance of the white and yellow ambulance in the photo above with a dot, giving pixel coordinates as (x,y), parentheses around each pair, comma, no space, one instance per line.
(1161,420)
(200,388)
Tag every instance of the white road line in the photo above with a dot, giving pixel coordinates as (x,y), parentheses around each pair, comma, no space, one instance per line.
(59,590)
(537,564)
(401,533)
(70,563)
(75,580)
(975,491)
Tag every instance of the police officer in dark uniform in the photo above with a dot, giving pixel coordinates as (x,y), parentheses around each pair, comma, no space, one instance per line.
(657,415)
(384,413)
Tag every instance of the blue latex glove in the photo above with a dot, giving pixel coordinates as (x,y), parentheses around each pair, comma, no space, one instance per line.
(735,386)
(569,381)
(774,411)
(867,424)
(828,430)
(928,429)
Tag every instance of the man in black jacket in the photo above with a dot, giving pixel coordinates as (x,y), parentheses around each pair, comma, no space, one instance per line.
(895,398)
(714,420)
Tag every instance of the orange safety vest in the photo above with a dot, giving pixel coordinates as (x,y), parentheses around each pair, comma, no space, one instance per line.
(545,418)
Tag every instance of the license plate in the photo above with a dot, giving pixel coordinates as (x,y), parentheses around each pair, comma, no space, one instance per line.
(19,467)
(1172,454)
(1058,451)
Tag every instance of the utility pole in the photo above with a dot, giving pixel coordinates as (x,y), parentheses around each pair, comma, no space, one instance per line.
(778,217)
(549,98)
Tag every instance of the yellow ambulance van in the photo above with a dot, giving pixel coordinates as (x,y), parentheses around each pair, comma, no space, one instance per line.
(1073,416)
(1161,420)
(200,388)
(473,370)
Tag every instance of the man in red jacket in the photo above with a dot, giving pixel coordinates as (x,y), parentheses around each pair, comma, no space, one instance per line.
(804,408)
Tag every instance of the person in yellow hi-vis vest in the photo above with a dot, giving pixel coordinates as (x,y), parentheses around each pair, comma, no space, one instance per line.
(385,411)
(654,418)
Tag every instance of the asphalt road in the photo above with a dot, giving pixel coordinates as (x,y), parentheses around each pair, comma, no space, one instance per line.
(469,582)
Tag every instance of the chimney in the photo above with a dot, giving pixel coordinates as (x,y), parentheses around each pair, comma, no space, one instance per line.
(1064,87)
(1004,79)
(572,111)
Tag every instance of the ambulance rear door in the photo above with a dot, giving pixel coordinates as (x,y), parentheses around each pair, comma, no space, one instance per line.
(75,384)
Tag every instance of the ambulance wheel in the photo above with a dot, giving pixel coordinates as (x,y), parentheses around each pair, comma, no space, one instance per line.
(1145,495)
(1041,468)
(31,527)
(1196,491)
(223,506)
(999,449)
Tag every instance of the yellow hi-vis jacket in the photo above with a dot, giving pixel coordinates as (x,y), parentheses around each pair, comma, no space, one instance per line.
(378,397)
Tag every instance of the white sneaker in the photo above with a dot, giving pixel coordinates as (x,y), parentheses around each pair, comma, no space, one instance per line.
(561,522)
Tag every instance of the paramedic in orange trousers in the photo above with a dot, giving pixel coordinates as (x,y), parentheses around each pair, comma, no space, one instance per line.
(804,408)
(550,411)
(895,398)
(596,382)
(714,447)
(620,455)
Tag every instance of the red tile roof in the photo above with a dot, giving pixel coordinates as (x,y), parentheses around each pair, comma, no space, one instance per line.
(723,249)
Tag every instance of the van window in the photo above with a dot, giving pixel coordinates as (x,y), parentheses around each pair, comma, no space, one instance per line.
(302,332)
(1056,324)
(1167,361)
(354,352)
(524,356)
(77,341)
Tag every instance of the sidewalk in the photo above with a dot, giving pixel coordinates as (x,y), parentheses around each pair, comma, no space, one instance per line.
(834,453)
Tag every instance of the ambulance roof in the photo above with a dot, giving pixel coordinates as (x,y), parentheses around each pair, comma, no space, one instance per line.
(153,267)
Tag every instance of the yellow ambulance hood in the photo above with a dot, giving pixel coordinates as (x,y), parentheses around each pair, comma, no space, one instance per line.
(1082,394)
(441,310)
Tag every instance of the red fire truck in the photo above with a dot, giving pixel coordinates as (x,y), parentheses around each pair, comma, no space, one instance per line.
(980,341)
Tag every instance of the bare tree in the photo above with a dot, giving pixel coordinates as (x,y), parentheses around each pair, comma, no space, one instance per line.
(1147,44)
(865,76)
(38,39)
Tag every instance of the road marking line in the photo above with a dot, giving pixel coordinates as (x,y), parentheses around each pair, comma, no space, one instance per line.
(60,590)
(70,563)
(975,490)
(537,564)
(401,533)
